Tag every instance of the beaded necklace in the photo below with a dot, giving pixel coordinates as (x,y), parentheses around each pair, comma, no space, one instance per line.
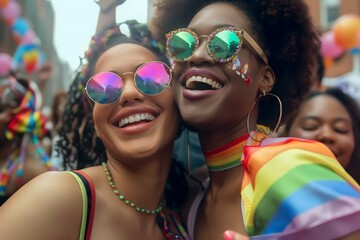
(124,199)
(161,219)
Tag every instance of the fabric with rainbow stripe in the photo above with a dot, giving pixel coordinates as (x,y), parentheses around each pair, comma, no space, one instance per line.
(296,189)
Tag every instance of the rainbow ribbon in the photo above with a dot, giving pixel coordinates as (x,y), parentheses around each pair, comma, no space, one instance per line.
(296,189)
(26,118)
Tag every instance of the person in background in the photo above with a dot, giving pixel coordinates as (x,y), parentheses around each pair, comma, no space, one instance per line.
(57,111)
(21,125)
(333,118)
(124,87)
(316,86)
(240,69)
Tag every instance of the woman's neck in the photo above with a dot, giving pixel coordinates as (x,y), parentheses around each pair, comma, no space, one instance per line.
(227,156)
(144,184)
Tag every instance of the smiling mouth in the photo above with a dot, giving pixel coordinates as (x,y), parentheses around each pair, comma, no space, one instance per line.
(202,83)
(136,118)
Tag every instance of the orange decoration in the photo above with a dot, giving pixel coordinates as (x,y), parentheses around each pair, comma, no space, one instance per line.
(346,29)
(3,3)
(328,63)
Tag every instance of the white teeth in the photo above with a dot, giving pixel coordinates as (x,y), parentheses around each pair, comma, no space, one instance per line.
(136,118)
(212,83)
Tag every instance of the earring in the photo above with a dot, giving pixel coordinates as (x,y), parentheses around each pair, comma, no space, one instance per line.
(264,94)
(235,64)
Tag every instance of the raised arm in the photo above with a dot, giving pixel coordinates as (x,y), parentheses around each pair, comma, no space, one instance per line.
(107,13)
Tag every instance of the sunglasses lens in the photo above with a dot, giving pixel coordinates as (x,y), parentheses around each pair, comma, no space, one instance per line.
(152,78)
(105,87)
(224,44)
(181,45)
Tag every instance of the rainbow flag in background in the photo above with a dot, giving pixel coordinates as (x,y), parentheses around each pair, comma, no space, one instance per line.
(296,189)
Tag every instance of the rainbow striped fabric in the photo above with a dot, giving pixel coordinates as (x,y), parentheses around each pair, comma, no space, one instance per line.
(296,189)
(227,156)
(27,119)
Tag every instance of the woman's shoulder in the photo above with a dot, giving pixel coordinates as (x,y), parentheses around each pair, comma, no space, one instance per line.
(53,198)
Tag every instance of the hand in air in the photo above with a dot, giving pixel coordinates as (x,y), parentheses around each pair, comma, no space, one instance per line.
(107,5)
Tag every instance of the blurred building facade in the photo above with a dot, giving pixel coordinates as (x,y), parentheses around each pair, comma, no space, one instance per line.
(324,13)
(51,76)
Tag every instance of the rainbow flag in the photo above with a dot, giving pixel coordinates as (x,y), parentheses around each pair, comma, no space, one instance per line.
(296,189)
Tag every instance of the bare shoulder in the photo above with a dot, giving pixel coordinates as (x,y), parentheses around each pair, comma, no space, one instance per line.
(47,206)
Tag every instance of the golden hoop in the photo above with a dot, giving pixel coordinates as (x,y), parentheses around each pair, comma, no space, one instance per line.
(264,94)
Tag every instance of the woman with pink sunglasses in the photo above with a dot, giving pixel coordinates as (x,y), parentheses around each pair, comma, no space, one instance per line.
(114,132)
(240,67)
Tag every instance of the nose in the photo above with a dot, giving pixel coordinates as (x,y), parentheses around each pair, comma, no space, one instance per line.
(326,135)
(130,94)
(201,55)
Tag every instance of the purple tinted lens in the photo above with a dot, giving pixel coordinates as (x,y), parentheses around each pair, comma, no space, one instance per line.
(152,78)
(105,87)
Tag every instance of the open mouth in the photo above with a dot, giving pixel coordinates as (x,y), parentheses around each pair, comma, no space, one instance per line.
(136,119)
(202,83)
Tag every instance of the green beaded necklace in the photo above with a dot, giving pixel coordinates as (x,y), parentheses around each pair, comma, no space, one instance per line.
(124,199)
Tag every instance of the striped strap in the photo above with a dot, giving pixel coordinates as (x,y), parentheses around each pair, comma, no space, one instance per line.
(88,208)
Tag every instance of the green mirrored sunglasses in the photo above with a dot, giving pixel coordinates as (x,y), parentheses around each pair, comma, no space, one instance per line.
(222,44)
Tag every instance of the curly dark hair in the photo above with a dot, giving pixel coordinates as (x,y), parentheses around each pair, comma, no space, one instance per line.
(353,109)
(282,28)
(78,143)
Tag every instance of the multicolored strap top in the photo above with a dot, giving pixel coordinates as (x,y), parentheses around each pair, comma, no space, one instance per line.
(87,189)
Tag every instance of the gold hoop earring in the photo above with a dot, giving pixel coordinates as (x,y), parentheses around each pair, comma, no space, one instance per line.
(264,94)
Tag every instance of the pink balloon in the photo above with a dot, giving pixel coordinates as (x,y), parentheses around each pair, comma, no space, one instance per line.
(5,64)
(29,37)
(11,11)
(329,48)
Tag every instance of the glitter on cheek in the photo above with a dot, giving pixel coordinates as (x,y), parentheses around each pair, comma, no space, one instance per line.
(235,65)
(245,75)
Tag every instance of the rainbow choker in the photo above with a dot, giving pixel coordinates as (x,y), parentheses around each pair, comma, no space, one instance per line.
(226,157)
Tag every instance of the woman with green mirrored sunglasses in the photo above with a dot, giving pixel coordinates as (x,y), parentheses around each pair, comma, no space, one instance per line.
(239,69)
